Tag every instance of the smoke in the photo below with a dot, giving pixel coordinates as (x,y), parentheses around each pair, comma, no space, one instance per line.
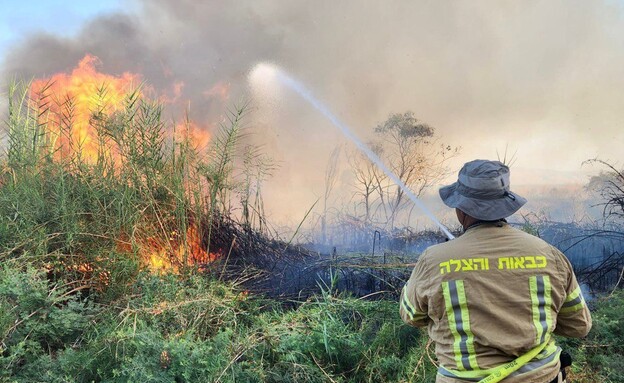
(543,78)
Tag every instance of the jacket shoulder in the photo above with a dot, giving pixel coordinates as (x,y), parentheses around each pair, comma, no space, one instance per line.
(532,240)
(441,250)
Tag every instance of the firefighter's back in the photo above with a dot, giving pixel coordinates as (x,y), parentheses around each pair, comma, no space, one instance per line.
(492,295)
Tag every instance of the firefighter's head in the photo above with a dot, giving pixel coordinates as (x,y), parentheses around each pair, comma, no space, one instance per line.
(482,191)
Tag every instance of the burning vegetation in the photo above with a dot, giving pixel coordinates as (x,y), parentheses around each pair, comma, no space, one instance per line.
(90,127)
(114,179)
(69,105)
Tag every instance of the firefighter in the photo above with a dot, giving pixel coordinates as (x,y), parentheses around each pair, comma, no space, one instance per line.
(492,298)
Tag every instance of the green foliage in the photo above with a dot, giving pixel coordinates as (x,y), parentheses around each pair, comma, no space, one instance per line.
(599,356)
(37,319)
(195,304)
(195,329)
(339,338)
(173,329)
(406,126)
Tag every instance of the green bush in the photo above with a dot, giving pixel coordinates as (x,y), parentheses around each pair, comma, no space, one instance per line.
(604,347)
(598,357)
(38,319)
(192,328)
(344,338)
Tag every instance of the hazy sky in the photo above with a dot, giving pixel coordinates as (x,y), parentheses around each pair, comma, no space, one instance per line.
(544,79)
(19,19)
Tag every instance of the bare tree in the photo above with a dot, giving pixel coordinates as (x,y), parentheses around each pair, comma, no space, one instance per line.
(608,271)
(610,186)
(330,182)
(369,181)
(412,152)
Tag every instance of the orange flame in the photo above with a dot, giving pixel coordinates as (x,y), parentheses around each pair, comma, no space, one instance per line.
(74,98)
(175,94)
(163,256)
(220,90)
(197,136)
(67,104)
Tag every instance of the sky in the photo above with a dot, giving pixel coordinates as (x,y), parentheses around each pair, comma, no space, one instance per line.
(20,19)
(541,80)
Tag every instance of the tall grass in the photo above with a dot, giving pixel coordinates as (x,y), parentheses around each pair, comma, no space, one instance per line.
(143,186)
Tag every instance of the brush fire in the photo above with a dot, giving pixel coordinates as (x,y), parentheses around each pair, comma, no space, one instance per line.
(92,119)
(70,109)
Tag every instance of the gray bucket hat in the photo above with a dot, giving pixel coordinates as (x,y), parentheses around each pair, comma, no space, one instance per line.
(482,191)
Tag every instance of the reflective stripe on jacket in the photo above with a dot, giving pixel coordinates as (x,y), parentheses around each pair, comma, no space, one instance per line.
(489,297)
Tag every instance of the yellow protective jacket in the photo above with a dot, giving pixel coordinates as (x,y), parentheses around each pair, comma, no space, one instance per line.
(490,296)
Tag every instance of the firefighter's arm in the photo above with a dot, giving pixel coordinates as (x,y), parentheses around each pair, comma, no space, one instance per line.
(574,319)
(412,308)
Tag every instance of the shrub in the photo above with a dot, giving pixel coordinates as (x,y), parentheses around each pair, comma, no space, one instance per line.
(599,356)
(38,319)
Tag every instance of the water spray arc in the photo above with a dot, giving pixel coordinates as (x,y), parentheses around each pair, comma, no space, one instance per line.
(267,71)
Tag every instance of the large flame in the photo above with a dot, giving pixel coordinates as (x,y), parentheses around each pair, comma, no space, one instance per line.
(67,103)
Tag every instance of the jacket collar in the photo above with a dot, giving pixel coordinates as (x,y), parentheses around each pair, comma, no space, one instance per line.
(498,223)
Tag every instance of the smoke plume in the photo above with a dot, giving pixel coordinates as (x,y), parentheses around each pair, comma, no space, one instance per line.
(543,78)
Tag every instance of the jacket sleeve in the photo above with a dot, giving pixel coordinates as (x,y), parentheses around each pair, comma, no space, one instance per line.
(413,306)
(574,319)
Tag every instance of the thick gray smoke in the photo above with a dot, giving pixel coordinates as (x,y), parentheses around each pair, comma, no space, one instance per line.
(544,78)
